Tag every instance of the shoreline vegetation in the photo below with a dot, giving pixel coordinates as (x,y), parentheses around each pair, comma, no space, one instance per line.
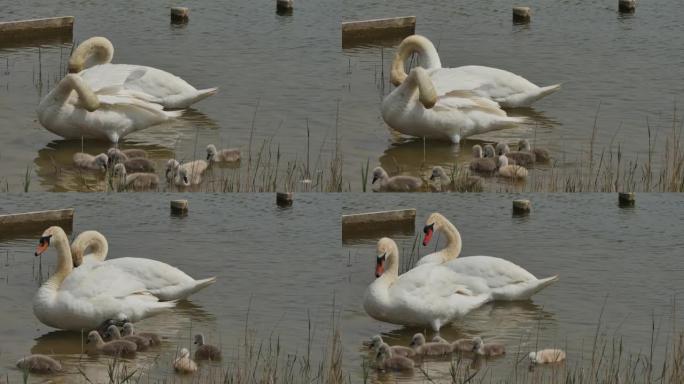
(264,169)
(611,361)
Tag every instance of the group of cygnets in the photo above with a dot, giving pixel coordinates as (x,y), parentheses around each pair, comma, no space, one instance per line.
(401,358)
(109,340)
(499,160)
(131,169)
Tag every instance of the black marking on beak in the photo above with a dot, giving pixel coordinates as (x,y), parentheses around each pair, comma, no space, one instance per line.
(375,178)
(185,179)
(428,228)
(208,156)
(432,177)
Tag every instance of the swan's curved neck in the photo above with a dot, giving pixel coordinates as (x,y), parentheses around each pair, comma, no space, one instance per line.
(86,96)
(418,81)
(64,262)
(454,244)
(428,57)
(89,239)
(391,266)
(94,51)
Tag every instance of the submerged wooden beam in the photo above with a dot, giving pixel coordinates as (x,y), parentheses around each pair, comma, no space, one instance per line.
(37,221)
(377,29)
(378,224)
(35,27)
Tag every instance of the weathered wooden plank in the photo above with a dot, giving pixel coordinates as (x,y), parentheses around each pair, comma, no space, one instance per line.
(378,224)
(36,26)
(36,221)
(354,32)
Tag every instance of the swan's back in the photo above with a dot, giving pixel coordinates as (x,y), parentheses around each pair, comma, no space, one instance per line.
(498,272)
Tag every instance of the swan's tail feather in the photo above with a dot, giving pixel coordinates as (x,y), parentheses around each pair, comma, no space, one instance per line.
(179,292)
(543,283)
(539,94)
(523,291)
(174,114)
(203,94)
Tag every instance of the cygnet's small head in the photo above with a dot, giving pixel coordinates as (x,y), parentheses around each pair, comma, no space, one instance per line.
(437,173)
(183,176)
(45,238)
(489,151)
(503,161)
(199,339)
(112,331)
(184,352)
(128,329)
(502,148)
(376,341)
(384,352)
(533,357)
(477,343)
(379,174)
(93,337)
(101,161)
(119,170)
(171,167)
(524,145)
(477,151)
(386,246)
(211,151)
(417,340)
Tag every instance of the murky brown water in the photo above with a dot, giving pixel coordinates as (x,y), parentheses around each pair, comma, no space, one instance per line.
(295,68)
(279,268)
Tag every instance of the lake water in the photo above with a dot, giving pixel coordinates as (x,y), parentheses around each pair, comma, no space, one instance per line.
(278,269)
(623,71)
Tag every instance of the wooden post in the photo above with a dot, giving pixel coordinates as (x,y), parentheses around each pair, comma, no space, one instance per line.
(284,199)
(627,6)
(180,15)
(284,7)
(522,15)
(179,207)
(521,207)
(36,221)
(626,199)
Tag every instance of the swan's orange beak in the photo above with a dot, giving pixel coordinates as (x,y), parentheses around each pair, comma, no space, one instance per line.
(380,266)
(43,245)
(428,230)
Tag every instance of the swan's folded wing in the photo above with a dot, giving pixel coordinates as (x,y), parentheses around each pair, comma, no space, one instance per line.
(467,101)
(496,271)
(92,280)
(433,282)
(153,273)
(119,90)
(485,81)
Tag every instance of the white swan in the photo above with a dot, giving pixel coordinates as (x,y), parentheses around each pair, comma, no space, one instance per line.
(74,110)
(485,274)
(159,279)
(506,88)
(82,298)
(91,60)
(428,295)
(413,108)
